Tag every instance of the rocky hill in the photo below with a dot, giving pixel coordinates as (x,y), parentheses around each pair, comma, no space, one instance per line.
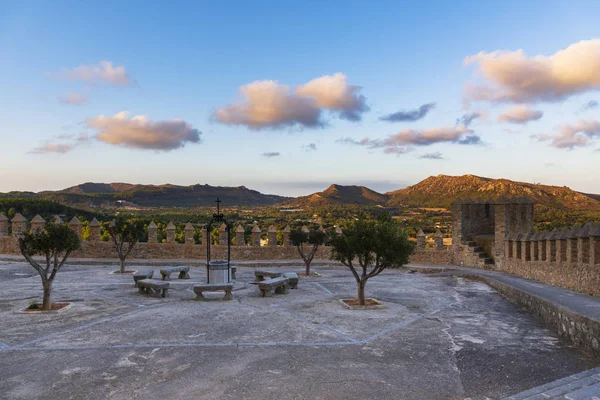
(336,195)
(441,190)
(93,195)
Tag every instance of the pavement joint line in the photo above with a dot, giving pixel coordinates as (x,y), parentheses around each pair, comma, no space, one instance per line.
(319,326)
(404,324)
(183,345)
(318,284)
(81,327)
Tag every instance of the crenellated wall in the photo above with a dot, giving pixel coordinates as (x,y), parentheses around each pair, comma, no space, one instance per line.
(567,257)
(172,250)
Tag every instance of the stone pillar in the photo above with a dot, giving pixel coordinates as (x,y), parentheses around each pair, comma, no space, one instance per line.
(171,229)
(583,245)
(94,230)
(533,247)
(517,246)
(525,253)
(205,235)
(58,220)
(420,239)
(439,240)
(500,233)
(508,247)
(561,245)
(551,245)
(37,223)
(286,235)
(256,235)
(3,225)
(321,229)
(75,226)
(305,229)
(223,235)
(572,245)
(19,225)
(272,234)
(542,245)
(152,232)
(189,233)
(338,231)
(595,246)
(239,236)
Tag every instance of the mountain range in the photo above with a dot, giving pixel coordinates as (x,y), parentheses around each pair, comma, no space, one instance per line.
(435,191)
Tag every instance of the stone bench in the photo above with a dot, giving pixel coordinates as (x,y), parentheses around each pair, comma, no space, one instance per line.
(261,275)
(214,287)
(154,287)
(292,278)
(139,276)
(183,273)
(279,284)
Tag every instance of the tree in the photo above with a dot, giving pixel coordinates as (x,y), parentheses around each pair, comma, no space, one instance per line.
(313,238)
(375,244)
(52,242)
(124,235)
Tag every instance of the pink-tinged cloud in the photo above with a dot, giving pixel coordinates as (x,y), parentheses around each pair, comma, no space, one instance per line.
(580,134)
(103,72)
(520,114)
(333,92)
(514,77)
(141,133)
(269,104)
(74,99)
(53,148)
(406,140)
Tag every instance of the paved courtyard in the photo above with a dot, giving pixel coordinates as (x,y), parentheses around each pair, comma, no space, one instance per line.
(437,338)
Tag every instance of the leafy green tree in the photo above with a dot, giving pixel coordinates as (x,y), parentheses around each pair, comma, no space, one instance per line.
(313,239)
(55,241)
(375,244)
(125,235)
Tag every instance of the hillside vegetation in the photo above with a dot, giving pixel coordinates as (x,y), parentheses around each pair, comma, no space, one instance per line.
(441,190)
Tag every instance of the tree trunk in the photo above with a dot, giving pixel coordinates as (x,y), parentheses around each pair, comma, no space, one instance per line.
(307,263)
(361,292)
(122,268)
(47,301)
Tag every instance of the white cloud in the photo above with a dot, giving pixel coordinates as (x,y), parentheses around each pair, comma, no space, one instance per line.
(570,136)
(141,133)
(103,72)
(515,77)
(269,104)
(520,114)
(74,98)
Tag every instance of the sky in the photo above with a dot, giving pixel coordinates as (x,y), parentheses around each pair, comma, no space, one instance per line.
(288,97)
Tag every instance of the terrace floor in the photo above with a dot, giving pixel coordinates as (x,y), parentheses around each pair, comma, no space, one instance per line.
(438,338)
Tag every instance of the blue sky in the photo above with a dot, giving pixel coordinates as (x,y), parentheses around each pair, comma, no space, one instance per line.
(322,76)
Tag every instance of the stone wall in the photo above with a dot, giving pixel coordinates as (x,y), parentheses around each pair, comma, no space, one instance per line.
(567,257)
(582,332)
(95,248)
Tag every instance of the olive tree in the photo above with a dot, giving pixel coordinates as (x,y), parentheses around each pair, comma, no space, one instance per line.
(124,235)
(369,246)
(313,239)
(56,242)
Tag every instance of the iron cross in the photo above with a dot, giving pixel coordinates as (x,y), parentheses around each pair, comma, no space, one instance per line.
(218,205)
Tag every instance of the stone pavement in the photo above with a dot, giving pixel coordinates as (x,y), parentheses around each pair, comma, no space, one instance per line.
(438,338)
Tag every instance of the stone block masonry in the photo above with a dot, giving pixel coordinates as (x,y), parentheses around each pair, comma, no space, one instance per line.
(172,250)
